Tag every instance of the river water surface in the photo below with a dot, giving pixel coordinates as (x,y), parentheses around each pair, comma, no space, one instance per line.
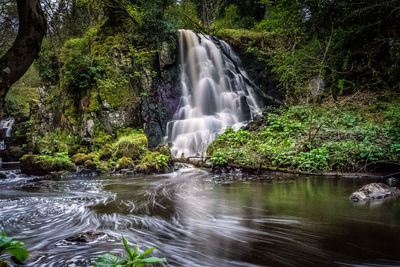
(194,219)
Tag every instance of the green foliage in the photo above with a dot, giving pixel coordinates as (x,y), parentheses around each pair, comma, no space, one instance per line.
(79,71)
(283,18)
(229,19)
(57,141)
(152,162)
(314,138)
(47,63)
(59,158)
(132,259)
(183,16)
(13,247)
(23,94)
(162,160)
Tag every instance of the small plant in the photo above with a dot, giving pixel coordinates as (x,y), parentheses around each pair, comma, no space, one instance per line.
(162,160)
(132,258)
(12,247)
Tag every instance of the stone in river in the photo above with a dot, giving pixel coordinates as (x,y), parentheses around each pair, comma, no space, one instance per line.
(374,191)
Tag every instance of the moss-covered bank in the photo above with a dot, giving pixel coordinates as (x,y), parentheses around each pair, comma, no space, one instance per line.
(359,133)
(127,152)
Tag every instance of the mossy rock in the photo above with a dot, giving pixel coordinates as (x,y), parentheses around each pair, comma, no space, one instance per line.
(15,152)
(153,162)
(93,157)
(79,159)
(43,164)
(3,175)
(165,150)
(106,152)
(125,163)
(132,146)
(104,167)
(89,164)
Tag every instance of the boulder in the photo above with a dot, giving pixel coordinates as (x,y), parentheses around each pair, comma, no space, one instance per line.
(125,163)
(132,146)
(41,165)
(86,237)
(374,191)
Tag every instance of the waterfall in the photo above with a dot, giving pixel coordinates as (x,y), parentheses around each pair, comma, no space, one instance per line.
(215,94)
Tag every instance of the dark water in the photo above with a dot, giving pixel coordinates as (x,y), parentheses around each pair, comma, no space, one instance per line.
(195,221)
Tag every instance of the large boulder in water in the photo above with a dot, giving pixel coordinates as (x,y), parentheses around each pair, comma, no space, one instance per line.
(374,191)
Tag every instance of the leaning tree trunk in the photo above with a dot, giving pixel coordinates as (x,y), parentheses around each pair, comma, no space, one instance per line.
(26,47)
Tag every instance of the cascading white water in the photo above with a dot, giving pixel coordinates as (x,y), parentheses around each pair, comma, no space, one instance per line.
(214,94)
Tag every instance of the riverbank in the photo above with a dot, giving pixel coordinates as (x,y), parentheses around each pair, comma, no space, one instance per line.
(356,134)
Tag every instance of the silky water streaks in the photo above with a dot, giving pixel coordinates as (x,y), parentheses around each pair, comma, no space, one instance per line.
(215,94)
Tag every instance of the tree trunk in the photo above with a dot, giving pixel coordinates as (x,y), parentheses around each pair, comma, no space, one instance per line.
(26,47)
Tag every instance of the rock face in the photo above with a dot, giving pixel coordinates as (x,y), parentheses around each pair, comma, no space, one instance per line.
(146,99)
(374,191)
(159,106)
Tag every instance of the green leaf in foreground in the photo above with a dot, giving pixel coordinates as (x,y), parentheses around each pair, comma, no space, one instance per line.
(13,247)
(110,260)
(133,259)
(19,253)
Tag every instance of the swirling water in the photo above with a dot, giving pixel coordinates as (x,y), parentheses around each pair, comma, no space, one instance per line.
(195,219)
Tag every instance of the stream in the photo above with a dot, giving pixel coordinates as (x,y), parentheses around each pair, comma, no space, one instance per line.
(194,218)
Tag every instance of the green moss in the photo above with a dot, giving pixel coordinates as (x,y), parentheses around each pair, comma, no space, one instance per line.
(57,141)
(79,159)
(44,164)
(106,152)
(94,104)
(104,166)
(101,141)
(248,38)
(116,91)
(125,163)
(153,162)
(132,146)
(95,157)
(89,164)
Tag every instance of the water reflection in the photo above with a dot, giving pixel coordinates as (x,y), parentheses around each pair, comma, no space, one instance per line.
(194,221)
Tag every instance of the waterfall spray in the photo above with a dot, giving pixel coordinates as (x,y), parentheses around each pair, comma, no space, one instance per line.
(214,94)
